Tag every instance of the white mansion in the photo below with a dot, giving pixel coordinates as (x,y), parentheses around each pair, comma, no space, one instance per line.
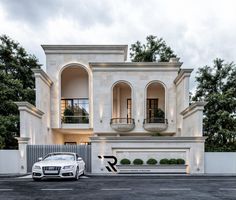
(90,94)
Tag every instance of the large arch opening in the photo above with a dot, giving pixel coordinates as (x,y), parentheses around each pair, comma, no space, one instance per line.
(122,106)
(75,95)
(155,103)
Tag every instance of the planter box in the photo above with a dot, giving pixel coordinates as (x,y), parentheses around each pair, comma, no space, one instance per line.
(166,169)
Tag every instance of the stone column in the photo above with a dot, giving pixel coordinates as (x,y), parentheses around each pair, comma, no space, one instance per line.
(23,142)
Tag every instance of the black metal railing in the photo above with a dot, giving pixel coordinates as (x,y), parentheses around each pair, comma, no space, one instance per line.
(75,119)
(122,121)
(155,120)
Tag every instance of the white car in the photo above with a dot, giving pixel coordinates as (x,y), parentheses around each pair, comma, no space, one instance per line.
(58,165)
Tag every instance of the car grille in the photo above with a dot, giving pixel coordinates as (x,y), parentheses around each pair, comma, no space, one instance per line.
(51,170)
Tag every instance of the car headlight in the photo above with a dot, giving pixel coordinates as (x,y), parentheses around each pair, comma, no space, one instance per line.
(68,167)
(36,167)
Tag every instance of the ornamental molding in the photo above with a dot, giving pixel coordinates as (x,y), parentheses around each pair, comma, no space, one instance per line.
(27,107)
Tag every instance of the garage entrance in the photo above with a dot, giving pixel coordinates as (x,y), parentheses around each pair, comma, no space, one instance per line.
(36,151)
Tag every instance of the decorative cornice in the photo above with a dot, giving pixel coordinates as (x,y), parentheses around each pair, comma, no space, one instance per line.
(197,106)
(26,106)
(22,140)
(182,74)
(158,139)
(134,66)
(86,49)
(39,73)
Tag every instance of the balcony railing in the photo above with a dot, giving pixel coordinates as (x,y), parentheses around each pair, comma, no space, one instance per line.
(155,124)
(75,119)
(122,124)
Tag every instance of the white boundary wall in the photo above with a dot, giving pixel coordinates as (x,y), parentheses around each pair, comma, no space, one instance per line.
(9,161)
(215,162)
(220,162)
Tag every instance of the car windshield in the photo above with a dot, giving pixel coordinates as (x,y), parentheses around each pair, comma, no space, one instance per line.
(59,157)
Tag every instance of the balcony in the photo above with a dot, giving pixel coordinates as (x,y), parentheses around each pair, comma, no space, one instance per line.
(155,125)
(122,124)
(75,122)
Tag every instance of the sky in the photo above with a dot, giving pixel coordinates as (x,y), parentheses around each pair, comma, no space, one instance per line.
(197,30)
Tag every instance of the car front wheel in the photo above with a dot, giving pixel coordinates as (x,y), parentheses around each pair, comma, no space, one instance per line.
(77,174)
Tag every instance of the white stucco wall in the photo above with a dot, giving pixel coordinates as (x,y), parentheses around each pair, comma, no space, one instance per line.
(43,103)
(220,163)
(31,127)
(182,97)
(9,161)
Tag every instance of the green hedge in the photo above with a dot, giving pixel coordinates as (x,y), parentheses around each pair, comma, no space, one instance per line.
(164,161)
(151,161)
(180,161)
(137,161)
(125,161)
(172,161)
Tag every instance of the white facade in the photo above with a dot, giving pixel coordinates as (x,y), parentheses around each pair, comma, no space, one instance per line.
(114,106)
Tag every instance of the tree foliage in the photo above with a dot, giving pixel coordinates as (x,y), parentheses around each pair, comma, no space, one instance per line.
(16,84)
(217,86)
(155,49)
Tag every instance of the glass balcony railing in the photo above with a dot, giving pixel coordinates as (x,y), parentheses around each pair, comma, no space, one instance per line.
(75,119)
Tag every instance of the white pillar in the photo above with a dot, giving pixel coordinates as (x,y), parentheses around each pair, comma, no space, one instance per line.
(23,142)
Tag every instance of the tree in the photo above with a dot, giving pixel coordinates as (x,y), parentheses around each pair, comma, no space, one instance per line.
(217,86)
(155,49)
(17,84)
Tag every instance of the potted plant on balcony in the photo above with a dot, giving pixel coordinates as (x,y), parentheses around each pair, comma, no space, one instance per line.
(159,116)
(67,113)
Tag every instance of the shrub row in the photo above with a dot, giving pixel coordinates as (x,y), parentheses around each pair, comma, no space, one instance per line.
(153,161)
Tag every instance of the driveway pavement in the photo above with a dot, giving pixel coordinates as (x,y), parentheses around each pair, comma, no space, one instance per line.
(122,188)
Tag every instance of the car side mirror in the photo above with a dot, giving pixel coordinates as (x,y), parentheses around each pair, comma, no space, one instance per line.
(40,159)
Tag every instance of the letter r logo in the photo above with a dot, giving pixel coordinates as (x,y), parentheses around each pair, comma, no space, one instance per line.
(111,167)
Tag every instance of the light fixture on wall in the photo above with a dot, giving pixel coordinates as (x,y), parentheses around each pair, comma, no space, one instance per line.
(138,114)
(197,162)
(22,153)
(100,113)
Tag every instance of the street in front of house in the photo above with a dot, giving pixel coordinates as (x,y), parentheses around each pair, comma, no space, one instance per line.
(121,187)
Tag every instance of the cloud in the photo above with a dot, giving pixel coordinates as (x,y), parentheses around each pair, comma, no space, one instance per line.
(198,31)
(37,12)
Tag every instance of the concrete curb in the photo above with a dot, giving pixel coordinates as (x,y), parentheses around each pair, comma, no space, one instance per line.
(13,175)
(160,175)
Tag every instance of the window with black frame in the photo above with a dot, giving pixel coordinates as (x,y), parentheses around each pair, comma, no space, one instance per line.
(75,110)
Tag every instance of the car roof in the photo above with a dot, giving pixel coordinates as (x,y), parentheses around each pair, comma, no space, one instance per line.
(62,153)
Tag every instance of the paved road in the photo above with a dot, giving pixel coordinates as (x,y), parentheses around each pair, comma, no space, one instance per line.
(122,188)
